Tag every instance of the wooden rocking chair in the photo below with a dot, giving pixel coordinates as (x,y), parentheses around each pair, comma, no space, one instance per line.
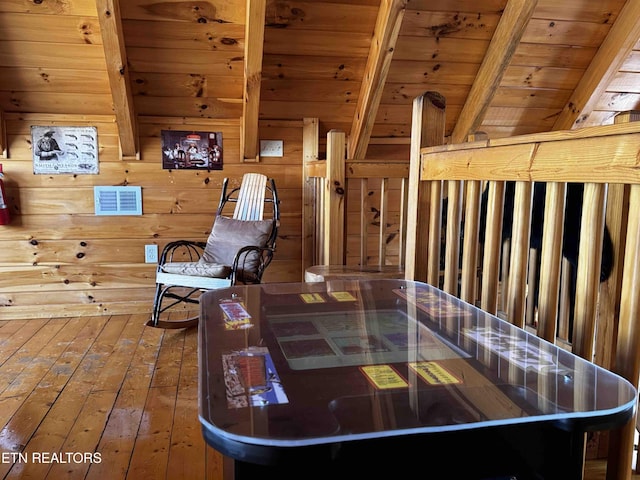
(238,250)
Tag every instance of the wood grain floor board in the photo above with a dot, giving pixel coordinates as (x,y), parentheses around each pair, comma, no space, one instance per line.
(7,329)
(36,337)
(150,454)
(45,404)
(112,387)
(84,436)
(187,448)
(42,363)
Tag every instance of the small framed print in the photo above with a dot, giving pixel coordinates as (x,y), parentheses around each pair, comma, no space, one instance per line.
(191,150)
(64,150)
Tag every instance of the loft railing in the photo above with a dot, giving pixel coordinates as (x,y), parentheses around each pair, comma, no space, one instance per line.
(604,162)
(354,211)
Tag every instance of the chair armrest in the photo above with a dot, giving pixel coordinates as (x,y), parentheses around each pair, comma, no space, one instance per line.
(192,251)
(264,257)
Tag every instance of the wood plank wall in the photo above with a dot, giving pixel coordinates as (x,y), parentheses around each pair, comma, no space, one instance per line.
(58,259)
(366,194)
(369,205)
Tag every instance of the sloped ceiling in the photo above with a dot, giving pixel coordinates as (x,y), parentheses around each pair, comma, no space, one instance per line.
(505,67)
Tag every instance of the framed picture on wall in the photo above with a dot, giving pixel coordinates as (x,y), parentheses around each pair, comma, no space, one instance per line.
(191,150)
(59,150)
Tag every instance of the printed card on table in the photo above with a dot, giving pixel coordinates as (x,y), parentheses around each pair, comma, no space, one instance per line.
(312,298)
(359,344)
(343,296)
(294,328)
(251,379)
(235,315)
(515,349)
(433,373)
(384,377)
(305,348)
(435,305)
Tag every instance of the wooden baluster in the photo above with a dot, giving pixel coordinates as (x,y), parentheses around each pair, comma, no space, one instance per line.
(551,260)
(519,252)
(492,248)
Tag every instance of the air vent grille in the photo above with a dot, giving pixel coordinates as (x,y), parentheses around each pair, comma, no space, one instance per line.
(118,200)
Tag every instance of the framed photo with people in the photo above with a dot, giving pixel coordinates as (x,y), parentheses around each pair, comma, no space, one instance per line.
(191,150)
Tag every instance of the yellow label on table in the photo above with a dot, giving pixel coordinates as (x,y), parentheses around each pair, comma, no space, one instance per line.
(384,377)
(343,296)
(312,298)
(433,373)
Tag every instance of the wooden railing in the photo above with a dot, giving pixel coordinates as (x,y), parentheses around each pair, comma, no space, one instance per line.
(431,208)
(604,160)
(354,211)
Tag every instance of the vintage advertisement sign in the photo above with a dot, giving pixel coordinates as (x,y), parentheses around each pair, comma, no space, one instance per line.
(58,150)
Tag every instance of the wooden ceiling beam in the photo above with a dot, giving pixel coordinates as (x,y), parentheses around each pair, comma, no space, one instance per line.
(118,71)
(383,44)
(606,63)
(504,42)
(253,50)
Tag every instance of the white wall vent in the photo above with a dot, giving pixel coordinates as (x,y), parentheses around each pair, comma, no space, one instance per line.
(118,200)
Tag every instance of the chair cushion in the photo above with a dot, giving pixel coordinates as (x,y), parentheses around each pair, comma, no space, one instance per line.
(199,269)
(229,235)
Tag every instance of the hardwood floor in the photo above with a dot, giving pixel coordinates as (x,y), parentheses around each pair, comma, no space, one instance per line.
(106,398)
(107,385)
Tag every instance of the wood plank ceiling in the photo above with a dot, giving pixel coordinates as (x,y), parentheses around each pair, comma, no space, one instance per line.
(505,67)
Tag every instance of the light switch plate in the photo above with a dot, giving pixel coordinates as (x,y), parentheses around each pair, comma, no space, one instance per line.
(271,148)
